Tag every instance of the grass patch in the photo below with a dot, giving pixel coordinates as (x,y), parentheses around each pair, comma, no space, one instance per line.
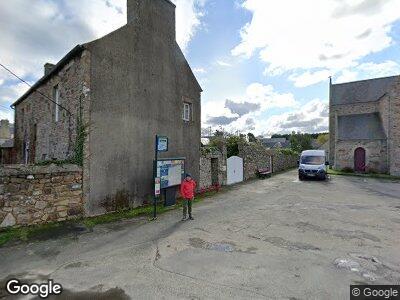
(27,233)
(50,230)
(366,175)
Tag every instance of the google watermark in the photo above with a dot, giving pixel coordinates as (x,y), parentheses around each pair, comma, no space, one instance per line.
(387,292)
(43,290)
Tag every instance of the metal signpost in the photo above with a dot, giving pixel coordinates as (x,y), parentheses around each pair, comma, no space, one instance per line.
(168,173)
(161,145)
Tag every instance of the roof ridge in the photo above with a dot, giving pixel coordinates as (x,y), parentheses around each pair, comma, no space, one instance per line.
(370,79)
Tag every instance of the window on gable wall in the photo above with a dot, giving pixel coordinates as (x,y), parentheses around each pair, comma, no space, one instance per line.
(56,99)
(187,112)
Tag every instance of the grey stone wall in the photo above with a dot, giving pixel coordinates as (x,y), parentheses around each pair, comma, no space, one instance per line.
(394,129)
(139,82)
(376,155)
(256,156)
(341,110)
(282,162)
(206,159)
(36,195)
(35,116)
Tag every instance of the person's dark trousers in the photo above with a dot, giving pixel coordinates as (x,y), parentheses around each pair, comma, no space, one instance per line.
(187,207)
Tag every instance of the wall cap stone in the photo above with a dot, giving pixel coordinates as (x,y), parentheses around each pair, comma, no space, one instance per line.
(14,170)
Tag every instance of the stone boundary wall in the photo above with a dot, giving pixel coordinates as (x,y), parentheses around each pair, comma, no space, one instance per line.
(256,156)
(205,180)
(39,194)
(282,162)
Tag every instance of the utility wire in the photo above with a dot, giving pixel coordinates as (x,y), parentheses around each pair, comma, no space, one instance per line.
(37,91)
(5,107)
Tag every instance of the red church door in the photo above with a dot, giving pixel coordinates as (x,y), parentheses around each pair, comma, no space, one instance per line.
(359,160)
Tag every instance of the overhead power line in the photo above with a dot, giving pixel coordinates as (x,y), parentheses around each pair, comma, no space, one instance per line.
(5,107)
(37,91)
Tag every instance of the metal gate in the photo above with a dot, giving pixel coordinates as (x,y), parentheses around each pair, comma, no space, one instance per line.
(234,170)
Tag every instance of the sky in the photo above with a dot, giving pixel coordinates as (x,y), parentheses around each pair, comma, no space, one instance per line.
(264,65)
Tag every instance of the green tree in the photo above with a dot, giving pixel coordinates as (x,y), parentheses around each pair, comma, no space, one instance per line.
(232,144)
(251,137)
(300,141)
(322,138)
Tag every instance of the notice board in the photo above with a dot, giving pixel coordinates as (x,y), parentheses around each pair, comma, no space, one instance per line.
(171,172)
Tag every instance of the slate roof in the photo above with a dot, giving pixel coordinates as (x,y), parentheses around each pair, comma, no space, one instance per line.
(276,143)
(360,127)
(361,91)
(74,52)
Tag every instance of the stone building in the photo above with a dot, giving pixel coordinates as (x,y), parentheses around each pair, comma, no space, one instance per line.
(275,143)
(213,167)
(364,121)
(6,131)
(125,87)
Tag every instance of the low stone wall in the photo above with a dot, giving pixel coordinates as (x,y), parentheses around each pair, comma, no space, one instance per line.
(34,195)
(256,156)
(207,158)
(282,162)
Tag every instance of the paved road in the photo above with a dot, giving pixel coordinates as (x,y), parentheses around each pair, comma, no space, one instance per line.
(277,238)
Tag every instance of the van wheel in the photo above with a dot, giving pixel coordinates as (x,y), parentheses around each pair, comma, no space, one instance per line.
(301,177)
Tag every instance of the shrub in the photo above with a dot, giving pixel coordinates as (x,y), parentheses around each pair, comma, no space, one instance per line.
(347,170)
(287,151)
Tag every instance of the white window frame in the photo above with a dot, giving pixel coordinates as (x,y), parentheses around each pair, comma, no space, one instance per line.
(187,112)
(56,96)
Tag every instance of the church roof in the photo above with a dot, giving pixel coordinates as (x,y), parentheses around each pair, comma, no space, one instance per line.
(361,91)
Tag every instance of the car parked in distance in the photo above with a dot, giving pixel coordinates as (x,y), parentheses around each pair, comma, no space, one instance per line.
(313,164)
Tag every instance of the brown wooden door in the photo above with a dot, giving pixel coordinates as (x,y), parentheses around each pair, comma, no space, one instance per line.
(359,160)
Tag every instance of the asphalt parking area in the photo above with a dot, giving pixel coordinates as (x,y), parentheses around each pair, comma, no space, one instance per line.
(274,238)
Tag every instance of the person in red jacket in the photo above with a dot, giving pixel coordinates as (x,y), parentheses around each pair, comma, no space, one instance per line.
(188,187)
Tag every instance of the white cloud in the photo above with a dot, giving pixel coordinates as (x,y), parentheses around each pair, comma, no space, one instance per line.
(308,78)
(311,117)
(55,27)
(223,63)
(233,114)
(35,32)
(6,114)
(306,35)
(268,98)
(188,20)
(7,96)
(369,70)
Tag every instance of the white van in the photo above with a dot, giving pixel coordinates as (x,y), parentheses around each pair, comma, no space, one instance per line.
(313,164)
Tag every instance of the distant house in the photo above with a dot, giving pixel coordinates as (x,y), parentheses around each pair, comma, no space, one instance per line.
(364,121)
(125,87)
(7,153)
(6,131)
(275,143)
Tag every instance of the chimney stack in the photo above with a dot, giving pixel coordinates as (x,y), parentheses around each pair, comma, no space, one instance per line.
(155,15)
(48,67)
